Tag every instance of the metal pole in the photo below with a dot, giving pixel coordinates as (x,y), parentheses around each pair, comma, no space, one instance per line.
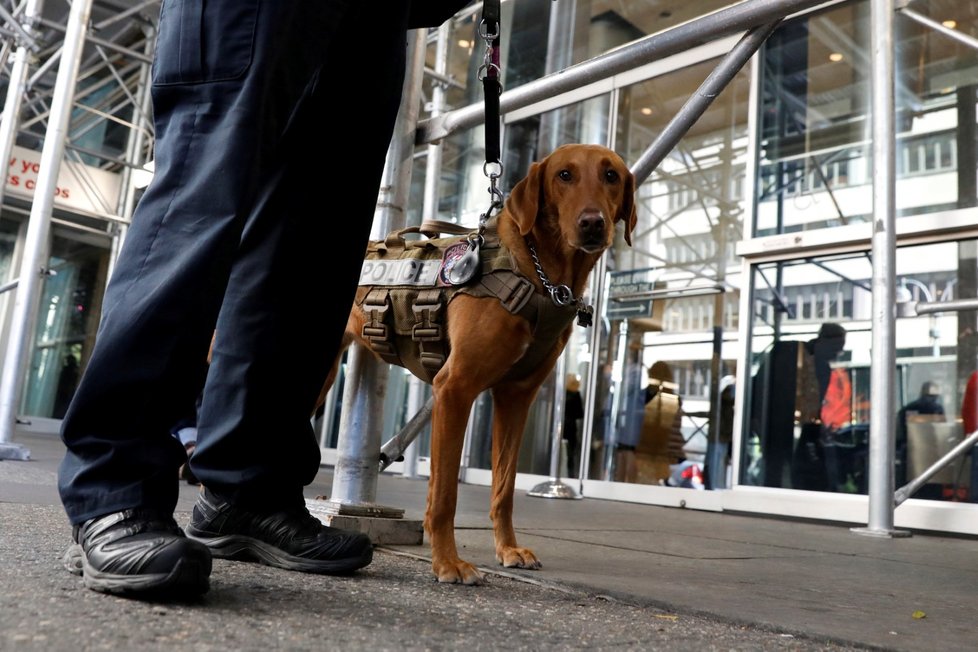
(16,87)
(907,490)
(433,162)
(361,423)
(141,114)
(554,488)
(410,450)
(38,228)
(594,369)
(701,100)
(882,419)
(399,443)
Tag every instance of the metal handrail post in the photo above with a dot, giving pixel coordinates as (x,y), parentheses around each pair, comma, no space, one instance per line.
(555,488)
(882,431)
(358,448)
(39,224)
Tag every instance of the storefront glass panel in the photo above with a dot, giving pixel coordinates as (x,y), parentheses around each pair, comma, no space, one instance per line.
(668,355)
(66,325)
(815,167)
(808,410)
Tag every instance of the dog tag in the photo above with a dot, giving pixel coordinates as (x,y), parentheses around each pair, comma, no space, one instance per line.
(585,316)
(460,263)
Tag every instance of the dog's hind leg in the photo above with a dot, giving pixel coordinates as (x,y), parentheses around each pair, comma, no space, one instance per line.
(511,405)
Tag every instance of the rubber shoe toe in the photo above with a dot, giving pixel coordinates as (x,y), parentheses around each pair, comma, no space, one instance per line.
(139,553)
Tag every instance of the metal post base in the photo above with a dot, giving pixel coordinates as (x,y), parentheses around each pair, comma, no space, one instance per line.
(881,534)
(14,452)
(553,489)
(336,508)
(384,525)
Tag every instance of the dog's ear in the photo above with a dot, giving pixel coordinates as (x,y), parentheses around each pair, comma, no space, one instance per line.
(627,212)
(524,200)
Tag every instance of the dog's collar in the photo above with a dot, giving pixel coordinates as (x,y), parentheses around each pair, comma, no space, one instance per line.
(562,295)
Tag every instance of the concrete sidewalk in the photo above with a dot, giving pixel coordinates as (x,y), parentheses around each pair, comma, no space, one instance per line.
(616,576)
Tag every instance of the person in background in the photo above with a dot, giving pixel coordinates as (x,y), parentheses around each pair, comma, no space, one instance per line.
(927,406)
(823,399)
(573,413)
(252,102)
(661,444)
(969,418)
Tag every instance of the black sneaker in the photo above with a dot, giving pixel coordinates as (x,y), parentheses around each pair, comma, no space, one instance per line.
(288,537)
(139,553)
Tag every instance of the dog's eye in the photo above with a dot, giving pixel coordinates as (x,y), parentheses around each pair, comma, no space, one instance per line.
(611,176)
(565,175)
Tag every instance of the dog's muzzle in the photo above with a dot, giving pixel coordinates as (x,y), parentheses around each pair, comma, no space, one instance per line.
(591,228)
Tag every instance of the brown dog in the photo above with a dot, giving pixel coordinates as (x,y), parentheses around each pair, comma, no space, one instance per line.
(563,214)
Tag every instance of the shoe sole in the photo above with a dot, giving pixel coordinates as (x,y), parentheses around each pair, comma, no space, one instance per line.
(188,578)
(73,559)
(241,548)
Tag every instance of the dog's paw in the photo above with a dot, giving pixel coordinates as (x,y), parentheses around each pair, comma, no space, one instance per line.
(457,572)
(518,558)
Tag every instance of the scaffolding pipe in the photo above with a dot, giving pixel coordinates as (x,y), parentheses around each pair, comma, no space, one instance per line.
(141,115)
(16,86)
(24,34)
(555,487)
(883,356)
(396,445)
(358,447)
(701,100)
(731,20)
(39,224)
(911,487)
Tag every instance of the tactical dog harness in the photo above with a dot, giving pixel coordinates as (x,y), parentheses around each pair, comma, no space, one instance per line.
(405,291)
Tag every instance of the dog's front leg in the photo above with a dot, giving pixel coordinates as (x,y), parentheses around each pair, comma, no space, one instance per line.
(448,420)
(511,405)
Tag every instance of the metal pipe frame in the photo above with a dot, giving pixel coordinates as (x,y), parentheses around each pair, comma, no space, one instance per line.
(737,18)
(361,422)
(883,355)
(35,249)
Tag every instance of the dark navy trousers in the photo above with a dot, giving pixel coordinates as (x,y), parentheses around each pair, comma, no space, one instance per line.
(273,118)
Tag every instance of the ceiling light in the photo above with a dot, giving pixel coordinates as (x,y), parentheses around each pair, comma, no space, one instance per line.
(836,57)
(950,24)
(462,43)
(646,110)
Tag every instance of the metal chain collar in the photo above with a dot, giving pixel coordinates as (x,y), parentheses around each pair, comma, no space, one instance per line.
(562,295)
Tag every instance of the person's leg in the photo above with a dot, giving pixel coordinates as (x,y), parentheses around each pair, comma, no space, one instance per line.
(227,79)
(288,297)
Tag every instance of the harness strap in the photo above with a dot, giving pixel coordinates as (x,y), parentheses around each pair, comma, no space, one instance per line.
(513,291)
(428,331)
(377,330)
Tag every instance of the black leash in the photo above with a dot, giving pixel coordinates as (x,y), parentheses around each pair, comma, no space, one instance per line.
(463,263)
(492,88)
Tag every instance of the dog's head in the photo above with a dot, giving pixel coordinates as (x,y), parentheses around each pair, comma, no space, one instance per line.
(582,191)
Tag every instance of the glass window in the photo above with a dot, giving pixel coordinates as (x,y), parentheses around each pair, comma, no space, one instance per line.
(66,325)
(808,406)
(815,117)
(660,365)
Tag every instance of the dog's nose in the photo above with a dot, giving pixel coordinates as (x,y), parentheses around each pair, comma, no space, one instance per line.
(591,225)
